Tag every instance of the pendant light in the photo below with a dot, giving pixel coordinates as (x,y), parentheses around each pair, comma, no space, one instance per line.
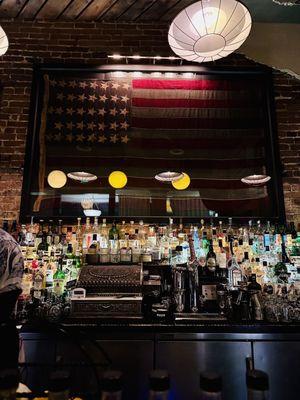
(209,29)
(3,42)
(256,180)
(81,176)
(169,176)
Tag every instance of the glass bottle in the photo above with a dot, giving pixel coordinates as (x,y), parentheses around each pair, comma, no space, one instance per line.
(113,232)
(59,279)
(93,249)
(111,385)
(235,274)
(257,385)
(211,260)
(159,385)
(210,386)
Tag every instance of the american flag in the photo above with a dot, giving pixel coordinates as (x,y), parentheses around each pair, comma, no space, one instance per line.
(211,128)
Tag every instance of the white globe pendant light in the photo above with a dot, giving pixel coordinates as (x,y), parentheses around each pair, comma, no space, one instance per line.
(209,29)
(3,42)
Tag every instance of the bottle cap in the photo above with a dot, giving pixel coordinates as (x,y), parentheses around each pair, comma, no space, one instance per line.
(159,380)
(95,236)
(112,381)
(257,380)
(178,248)
(265,263)
(9,379)
(210,382)
(59,381)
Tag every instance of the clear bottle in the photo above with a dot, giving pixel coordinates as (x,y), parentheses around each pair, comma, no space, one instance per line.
(111,385)
(9,381)
(210,386)
(235,274)
(257,385)
(159,385)
(59,385)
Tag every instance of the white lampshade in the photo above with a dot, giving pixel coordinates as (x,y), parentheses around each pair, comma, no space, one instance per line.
(169,176)
(209,29)
(81,176)
(3,42)
(92,213)
(256,180)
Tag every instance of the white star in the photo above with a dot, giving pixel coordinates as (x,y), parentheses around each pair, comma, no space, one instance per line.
(92,97)
(91,111)
(126,86)
(83,85)
(70,111)
(124,125)
(60,96)
(82,97)
(115,85)
(52,82)
(71,97)
(113,111)
(125,139)
(114,98)
(94,85)
(92,137)
(91,125)
(113,126)
(72,84)
(62,83)
(80,111)
(80,138)
(101,126)
(80,125)
(101,111)
(70,125)
(104,85)
(58,125)
(114,138)
(125,98)
(58,110)
(101,139)
(124,111)
(103,98)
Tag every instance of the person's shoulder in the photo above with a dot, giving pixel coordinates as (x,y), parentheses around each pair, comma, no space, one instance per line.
(6,238)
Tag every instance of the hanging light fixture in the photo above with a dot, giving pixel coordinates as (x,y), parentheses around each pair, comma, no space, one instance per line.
(182,183)
(117,179)
(209,29)
(57,179)
(287,2)
(169,176)
(81,176)
(3,42)
(256,180)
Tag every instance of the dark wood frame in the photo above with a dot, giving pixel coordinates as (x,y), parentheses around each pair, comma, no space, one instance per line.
(273,158)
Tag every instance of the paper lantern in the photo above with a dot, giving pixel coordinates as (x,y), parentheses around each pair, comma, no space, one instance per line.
(209,29)
(81,176)
(57,179)
(117,179)
(182,183)
(169,176)
(256,180)
(3,42)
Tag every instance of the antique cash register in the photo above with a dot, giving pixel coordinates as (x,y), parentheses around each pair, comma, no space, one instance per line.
(108,291)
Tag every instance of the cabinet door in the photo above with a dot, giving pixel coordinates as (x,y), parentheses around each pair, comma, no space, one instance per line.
(281,360)
(185,359)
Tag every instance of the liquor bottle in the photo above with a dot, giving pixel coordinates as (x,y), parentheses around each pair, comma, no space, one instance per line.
(257,385)
(293,230)
(59,279)
(40,234)
(38,281)
(159,385)
(49,235)
(267,241)
(49,281)
(222,259)
(193,277)
(5,225)
(284,257)
(111,385)
(93,249)
(79,235)
(59,385)
(43,245)
(87,237)
(235,274)
(123,230)
(210,386)
(113,232)
(211,261)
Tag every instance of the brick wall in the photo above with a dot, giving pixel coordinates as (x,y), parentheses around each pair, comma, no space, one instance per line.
(83,42)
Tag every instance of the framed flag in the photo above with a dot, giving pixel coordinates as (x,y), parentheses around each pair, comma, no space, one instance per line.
(215,125)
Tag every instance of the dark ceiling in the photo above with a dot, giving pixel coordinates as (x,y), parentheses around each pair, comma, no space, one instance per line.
(131,10)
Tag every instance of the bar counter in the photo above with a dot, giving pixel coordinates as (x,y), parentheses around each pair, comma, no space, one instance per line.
(184,349)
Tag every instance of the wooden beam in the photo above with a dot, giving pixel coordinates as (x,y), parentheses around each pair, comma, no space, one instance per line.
(171,13)
(31,9)
(11,8)
(137,9)
(95,10)
(157,9)
(117,10)
(52,9)
(75,8)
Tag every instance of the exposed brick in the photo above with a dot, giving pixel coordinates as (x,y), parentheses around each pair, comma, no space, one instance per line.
(83,42)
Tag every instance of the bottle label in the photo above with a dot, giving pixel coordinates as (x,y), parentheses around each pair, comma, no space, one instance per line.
(221,260)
